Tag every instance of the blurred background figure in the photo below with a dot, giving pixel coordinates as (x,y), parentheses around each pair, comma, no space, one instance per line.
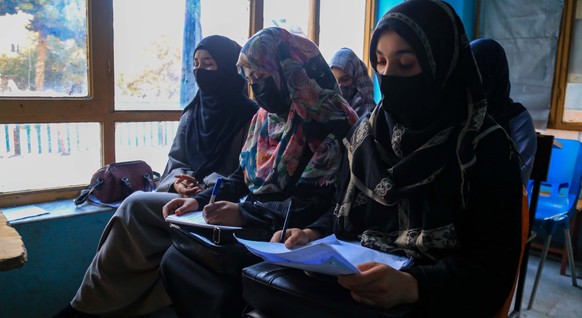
(352,77)
(511,116)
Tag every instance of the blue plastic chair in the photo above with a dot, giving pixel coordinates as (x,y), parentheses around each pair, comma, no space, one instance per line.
(557,200)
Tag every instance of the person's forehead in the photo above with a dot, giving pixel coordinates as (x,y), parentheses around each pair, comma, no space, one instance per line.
(338,72)
(202,53)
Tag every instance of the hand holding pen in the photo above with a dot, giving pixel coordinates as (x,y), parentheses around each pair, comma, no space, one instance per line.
(222,212)
(215,190)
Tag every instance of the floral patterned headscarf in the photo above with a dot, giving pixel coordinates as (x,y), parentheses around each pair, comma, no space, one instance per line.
(311,131)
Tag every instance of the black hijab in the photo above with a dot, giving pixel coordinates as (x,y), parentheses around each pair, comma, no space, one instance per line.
(457,104)
(407,182)
(492,62)
(217,116)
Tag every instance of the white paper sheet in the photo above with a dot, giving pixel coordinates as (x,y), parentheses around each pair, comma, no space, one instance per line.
(23,212)
(196,219)
(326,256)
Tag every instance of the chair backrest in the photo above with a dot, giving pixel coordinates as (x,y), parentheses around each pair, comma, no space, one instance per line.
(564,176)
(541,163)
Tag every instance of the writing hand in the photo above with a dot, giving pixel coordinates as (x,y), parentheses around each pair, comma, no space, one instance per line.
(186,186)
(179,206)
(380,285)
(296,236)
(223,213)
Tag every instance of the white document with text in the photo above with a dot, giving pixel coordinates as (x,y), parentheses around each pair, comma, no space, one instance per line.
(326,256)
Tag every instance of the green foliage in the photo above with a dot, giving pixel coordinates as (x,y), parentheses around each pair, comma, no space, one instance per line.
(56,18)
(17,69)
(61,25)
(154,82)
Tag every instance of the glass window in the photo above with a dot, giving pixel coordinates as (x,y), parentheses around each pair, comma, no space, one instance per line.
(148,41)
(573,98)
(43,49)
(233,22)
(148,141)
(290,15)
(40,155)
(342,25)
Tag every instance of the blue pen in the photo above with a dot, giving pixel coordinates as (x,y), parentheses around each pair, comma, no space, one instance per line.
(215,190)
(284,229)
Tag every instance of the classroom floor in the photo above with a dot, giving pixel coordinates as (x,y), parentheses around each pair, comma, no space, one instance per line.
(556,297)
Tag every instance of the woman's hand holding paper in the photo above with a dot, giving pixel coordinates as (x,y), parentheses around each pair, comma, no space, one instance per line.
(380,285)
(296,236)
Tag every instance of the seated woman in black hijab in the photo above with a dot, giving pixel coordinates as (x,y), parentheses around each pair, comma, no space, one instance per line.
(511,116)
(429,175)
(291,157)
(123,278)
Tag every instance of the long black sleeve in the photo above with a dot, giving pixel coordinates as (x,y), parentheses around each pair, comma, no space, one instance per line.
(233,189)
(476,281)
(177,158)
(309,202)
(268,211)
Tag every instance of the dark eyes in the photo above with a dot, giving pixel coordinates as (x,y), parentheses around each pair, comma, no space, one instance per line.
(203,65)
(400,65)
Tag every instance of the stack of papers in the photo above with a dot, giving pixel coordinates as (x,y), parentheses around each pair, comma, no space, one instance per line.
(326,256)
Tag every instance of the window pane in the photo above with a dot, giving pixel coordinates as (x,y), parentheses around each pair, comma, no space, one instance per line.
(233,23)
(342,25)
(148,37)
(40,156)
(290,15)
(148,141)
(43,49)
(573,98)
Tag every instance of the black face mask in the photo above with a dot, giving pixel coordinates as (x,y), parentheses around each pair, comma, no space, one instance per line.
(405,97)
(270,97)
(208,81)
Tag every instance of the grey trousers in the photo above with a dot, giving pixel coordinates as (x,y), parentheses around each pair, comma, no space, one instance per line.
(124,276)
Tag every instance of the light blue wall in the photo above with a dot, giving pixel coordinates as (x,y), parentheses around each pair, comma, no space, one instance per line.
(466,9)
(59,251)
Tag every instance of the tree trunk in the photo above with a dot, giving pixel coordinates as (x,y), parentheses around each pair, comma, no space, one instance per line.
(40,61)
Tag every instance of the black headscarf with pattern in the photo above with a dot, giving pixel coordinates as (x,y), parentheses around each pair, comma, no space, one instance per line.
(408,181)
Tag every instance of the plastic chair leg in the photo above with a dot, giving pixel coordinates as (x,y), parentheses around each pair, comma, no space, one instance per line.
(539,272)
(570,253)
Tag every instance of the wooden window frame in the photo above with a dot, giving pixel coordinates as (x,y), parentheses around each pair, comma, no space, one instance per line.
(99,106)
(256,22)
(555,120)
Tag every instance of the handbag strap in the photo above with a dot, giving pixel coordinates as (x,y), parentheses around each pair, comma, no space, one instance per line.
(126,187)
(84,194)
(150,181)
